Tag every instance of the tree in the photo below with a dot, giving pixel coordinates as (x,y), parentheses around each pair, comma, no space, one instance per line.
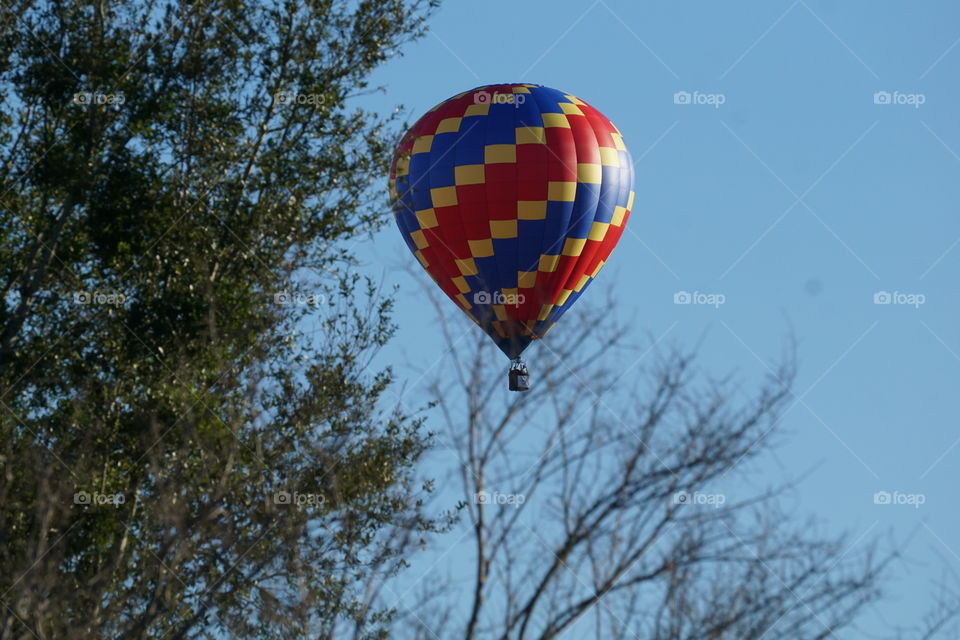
(599,503)
(180,184)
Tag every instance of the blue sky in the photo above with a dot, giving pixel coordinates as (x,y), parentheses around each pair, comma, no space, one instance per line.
(799,199)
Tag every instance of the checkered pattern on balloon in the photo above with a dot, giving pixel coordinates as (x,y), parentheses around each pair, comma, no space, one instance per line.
(512,198)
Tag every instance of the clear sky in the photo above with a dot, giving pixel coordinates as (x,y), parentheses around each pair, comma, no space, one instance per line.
(799,198)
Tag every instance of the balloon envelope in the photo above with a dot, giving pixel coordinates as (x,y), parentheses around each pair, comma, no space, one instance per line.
(512,197)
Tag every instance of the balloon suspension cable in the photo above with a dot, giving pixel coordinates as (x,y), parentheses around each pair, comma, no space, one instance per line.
(519,376)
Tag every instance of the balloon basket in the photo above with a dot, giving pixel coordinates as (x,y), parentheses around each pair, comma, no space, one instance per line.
(519,376)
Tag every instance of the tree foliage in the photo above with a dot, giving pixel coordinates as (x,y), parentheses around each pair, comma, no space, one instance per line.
(180,184)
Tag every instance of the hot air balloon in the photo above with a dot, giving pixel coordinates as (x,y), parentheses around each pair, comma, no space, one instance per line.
(512,197)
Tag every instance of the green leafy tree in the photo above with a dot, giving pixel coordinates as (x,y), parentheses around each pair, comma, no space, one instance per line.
(180,185)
